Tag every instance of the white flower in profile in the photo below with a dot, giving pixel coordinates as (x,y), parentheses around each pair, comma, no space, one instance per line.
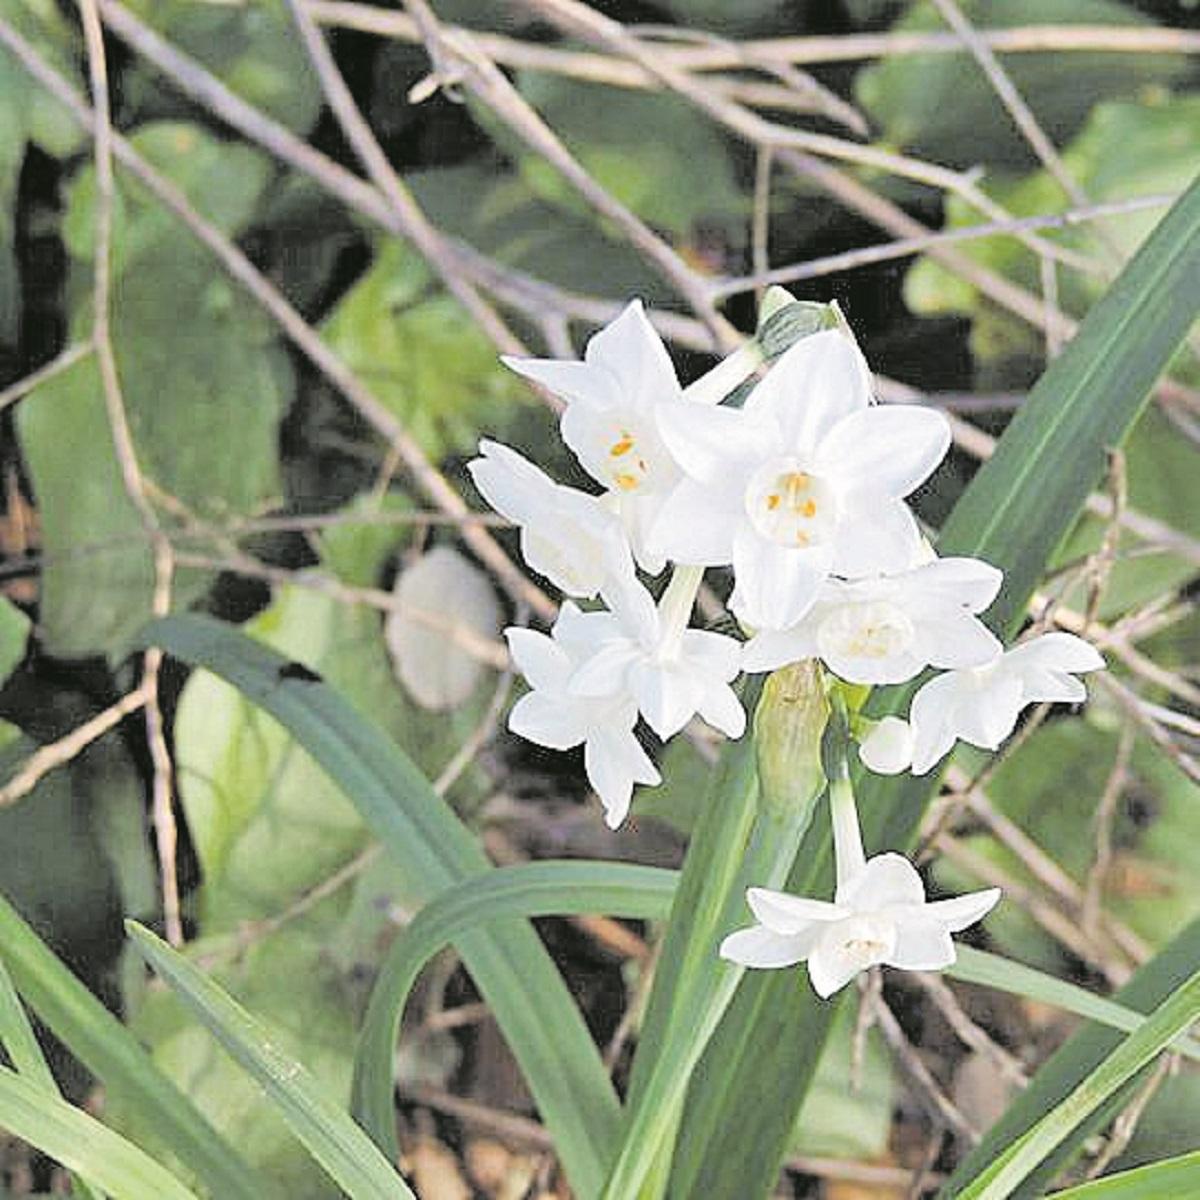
(888,628)
(807,479)
(981,705)
(672,672)
(613,398)
(566,535)
(879,915)
(552,716)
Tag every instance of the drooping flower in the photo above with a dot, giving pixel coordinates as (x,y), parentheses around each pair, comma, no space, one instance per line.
(613,398)
(566,535)
(981,705)
(551,715)
(888,628)
(807,479)
(672,672)
(879,915)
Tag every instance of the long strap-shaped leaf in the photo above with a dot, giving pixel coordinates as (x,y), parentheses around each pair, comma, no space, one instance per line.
(1015,512)
(509,964)
(531,890)
(1178,1176)
(1071,1063)
(999,1180)
(114,1056)
(21,1045)
(620,890)
(329,1134)
(81,1143)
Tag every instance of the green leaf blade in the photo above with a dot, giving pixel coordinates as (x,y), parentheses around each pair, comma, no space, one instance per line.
(561,1063)
(328,1133)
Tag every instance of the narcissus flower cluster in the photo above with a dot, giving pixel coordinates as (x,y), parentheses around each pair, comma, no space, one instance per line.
(796,487)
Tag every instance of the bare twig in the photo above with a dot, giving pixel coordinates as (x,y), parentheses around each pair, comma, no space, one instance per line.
(56,366)
(56,754)
(375,412)
(727,55)
(577,19)
(904,247)
(927,1090)
(966,1030)
(383,175)
(458,55)
(163,815)
(1093,892)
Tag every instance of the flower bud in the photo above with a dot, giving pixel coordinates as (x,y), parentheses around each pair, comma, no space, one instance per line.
(783,321)
(888,748)
(788,726)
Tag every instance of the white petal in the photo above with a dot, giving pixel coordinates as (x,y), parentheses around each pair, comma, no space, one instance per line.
(986,718)
(510,483)
(546,720)
(759,947)
(589,433)
(605,673)
(922,944)
(966,582)
(538,658)
(575,382)
(960,911)
(888,748)
(950,638)
(716,655)
(773,648)
(667,697)
(817,383)
(876,538)
(1056,652)
(871,669)
(782,912)
(774,585)
(884,451)
(630,349)
(715,445)
(830,971)
(615,761)
(932,717)
(1053,687)
(886,880)
(694,527)
(722,709)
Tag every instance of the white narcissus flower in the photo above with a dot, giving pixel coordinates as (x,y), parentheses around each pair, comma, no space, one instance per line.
(552,716)
(807,479)
(881,917)
(888,628)
(981,705)
(671,671)
(613,398)
(566,535)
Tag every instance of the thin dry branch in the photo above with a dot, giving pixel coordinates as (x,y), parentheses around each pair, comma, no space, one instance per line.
(426,476)
(58,753)
(162,810)
(577,19)
(904,247)
(385,178)
(727,55)
(458,60)
(56,366)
